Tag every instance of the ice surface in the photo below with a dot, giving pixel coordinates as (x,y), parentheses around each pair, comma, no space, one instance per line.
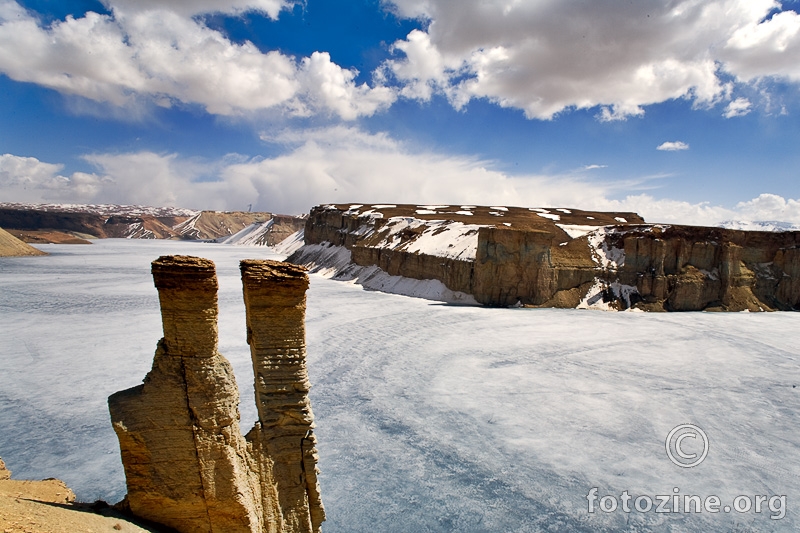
(430,417)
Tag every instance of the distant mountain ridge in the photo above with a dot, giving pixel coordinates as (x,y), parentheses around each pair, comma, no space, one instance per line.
(138,222)
(759,225)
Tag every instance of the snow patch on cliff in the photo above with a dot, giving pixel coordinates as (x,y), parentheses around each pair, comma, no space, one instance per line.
(608,257)
(595,296)
(576,231)
(291,244)
(441,238)
(252,235)
(335,262)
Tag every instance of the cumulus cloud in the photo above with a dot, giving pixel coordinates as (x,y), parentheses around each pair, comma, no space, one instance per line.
(347,164)
(738,108)
(26,179)
(547,57)
(156,52)
(766,207)
(672,146)
(190,8)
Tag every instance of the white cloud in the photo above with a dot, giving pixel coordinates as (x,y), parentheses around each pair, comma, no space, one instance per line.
(331,87)
(26,179)
(594,167)
(342,164)
(188,8)
(738,108)
(672,146)
(163,56)
(545,57)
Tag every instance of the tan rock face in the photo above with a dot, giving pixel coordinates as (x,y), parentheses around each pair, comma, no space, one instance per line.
(4,472)
(539,258)
(186,462)
(275,301)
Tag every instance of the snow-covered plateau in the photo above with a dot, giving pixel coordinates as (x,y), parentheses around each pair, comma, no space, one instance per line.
(430,417)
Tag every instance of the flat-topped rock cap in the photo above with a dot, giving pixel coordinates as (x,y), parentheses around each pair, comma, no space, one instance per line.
(183,272)
(255,270)
(183,262)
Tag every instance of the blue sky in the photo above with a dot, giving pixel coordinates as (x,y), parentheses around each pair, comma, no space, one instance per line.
(683,111)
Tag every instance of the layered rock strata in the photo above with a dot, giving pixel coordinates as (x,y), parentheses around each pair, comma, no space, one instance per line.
(186,462)
(538,257)
(275,301)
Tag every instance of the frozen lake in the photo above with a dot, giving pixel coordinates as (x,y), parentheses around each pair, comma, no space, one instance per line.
(430,417)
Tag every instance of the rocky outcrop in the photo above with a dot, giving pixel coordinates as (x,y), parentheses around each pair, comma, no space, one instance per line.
(186,462)
(686,268)
(275,302)
(561,257)
(5,473)
(10,246)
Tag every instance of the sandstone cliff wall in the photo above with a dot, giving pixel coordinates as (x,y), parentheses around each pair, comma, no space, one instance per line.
(565,258)
(651,267)
(186,462)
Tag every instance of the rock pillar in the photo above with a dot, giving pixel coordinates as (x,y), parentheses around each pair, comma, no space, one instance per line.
(275,301)
(186,462)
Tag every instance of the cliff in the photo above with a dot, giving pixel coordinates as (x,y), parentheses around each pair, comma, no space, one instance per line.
(10,246)
(187,465)
(502,256)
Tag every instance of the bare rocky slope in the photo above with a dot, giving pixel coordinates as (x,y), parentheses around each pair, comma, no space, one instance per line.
(554,257)
(37,222)
(49,506)
(10,246)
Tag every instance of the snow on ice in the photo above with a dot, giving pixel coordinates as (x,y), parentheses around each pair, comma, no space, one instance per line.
(430,417)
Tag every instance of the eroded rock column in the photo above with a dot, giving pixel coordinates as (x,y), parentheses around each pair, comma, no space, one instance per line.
(283,440)
(186,462)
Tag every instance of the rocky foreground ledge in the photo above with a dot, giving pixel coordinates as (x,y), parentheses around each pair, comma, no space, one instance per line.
(552,257)
(49,506)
